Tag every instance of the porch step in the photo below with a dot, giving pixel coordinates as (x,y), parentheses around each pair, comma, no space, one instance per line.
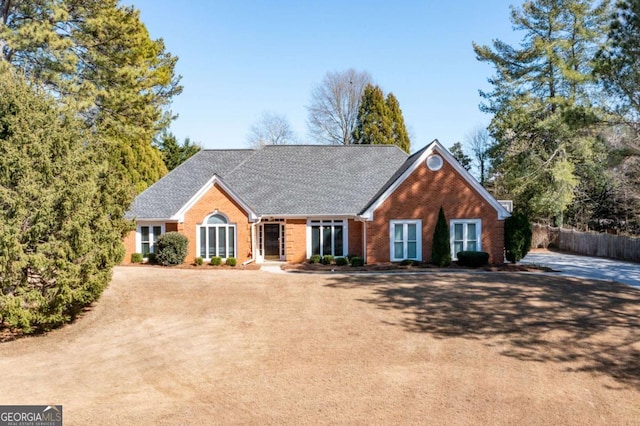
(273,267)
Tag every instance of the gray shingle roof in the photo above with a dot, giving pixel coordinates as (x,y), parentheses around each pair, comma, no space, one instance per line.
(164,198)
(280,179)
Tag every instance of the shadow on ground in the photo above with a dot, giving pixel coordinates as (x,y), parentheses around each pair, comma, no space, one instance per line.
(587,326)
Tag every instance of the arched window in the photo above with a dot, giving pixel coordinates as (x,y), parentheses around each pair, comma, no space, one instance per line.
(217,237)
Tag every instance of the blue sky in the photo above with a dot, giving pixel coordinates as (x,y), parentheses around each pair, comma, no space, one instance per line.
(239,59)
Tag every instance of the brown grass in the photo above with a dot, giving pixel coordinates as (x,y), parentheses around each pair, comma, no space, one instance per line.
(206,346)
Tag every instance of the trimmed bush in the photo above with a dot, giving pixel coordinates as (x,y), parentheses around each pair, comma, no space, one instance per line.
(171,249)
(199,261)
(351,256)
(315,258)
(327,260)
(342,261)
(215,261)
(231,261)
(473,259)
(357,261)
(441,251)
(151,258)
(517,236)
(136,257)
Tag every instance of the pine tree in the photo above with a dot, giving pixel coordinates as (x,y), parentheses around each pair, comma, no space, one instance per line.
(61,215)
(542,104)
(460,156)
(441,248)
(174,153)
(98,58)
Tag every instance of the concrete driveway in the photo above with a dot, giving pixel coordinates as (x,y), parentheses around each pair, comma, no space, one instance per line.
(587,267)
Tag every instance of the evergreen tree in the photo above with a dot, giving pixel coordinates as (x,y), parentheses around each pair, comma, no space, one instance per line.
(542,104)
(441,248)
(98,58)
(460,156)
(400,135)
(380,121)
(174,153)
(61,215)
(374,124)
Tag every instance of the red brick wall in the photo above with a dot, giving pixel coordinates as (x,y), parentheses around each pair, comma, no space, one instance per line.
(355,237)
(217,199)
(129,247)
(295,240)
(420,197)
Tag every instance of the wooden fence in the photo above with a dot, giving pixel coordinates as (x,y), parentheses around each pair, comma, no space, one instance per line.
(589,243)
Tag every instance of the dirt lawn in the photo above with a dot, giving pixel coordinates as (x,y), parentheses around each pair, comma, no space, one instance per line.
(171,346)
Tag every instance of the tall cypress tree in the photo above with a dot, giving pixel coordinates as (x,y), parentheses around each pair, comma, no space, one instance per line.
(380,120)
(399,131)
(441,244)
(374,125)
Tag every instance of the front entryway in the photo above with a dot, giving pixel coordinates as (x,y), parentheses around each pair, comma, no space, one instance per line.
(272,241)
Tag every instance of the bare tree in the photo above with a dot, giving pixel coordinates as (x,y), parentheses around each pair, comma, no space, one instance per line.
(480,142)
(271,129)
(334,106)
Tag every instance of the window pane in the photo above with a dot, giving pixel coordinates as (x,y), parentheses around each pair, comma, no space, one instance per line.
(157,231)
(471,231)
(326,240)
(472,246)
(216,219)
(144,231)
(412,252)
(232,242)
(411,231)
(398,232)
(145,249)
(457,248)
(222,245)
(315,240)
(458,234)
(212,241)
(203,242)
(338,240)
(398,250)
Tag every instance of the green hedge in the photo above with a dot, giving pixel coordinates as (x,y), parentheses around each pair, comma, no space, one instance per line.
(357,261)
(473,259)
(171,249)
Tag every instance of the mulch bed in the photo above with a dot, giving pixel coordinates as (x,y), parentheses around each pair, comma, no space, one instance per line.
(505,267)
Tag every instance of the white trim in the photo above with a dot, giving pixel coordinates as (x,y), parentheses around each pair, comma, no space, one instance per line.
(436,147)
(179,216)
(345,234)
(453,222)
(405,239)
(148,224)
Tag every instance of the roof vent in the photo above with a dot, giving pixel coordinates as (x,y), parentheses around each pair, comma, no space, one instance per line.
(434,162)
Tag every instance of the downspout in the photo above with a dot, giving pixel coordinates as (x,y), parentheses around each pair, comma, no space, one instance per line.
(253,242)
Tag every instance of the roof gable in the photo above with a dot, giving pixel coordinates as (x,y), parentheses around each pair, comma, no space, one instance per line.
(412,163)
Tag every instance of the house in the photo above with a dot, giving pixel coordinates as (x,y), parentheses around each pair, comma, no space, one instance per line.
(288,202)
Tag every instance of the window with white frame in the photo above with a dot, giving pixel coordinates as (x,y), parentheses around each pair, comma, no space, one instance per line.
(148,237)
(327,237)
(217,237)
(405,240)
(465,236)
